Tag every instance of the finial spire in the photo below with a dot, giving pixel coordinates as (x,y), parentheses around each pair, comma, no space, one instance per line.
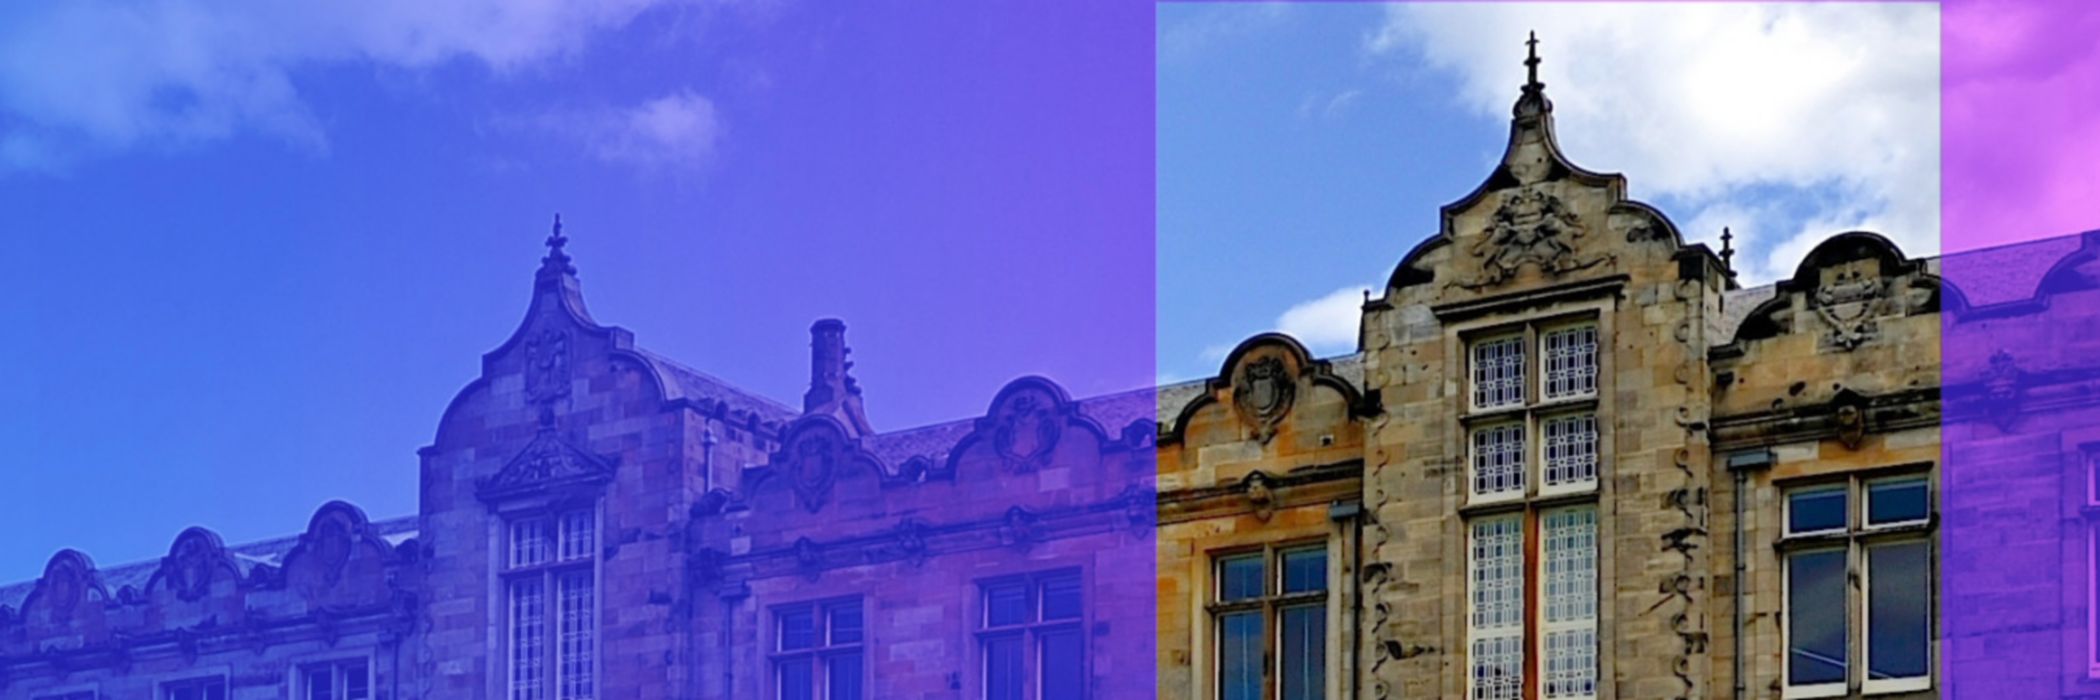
(1533,102)
(1728,251)
(557,260)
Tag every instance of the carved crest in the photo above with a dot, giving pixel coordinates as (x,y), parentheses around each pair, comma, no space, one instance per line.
(1534,227)
(69,580)
(190,563)
(1848,300)
(1026,427)
(547,366)
(545,462)
(812,467)
(1264,393)
(2002,390)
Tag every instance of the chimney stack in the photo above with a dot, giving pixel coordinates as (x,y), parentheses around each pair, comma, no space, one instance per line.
(831,386)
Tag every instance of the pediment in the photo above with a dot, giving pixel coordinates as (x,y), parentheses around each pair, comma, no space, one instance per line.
(548,462)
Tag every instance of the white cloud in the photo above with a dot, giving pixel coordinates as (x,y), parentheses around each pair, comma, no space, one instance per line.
(1729,110)
(102,75)
(1327,325)
(675,131)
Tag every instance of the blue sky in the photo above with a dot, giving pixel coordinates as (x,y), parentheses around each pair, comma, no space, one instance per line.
(1303,149)
(254,253)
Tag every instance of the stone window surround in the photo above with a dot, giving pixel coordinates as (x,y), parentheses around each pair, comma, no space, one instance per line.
(548,507)
(296,669)
(1488,322)
(1854,539)
(1034,579)
(77,691)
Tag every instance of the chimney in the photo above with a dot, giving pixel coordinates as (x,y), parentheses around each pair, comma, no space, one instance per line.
(831,388)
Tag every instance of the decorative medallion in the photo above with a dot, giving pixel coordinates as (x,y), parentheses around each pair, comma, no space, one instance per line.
(547,366)
(329,547)
(1264,393)
(1026,427)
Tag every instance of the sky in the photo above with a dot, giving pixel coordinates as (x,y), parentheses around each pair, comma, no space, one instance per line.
(255,252)
(1303,149)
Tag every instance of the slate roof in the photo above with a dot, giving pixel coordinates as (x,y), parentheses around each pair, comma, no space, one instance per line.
(2010,272)
(268,552)
(695,385)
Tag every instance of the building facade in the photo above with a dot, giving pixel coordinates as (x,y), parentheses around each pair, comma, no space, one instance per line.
(1571,458)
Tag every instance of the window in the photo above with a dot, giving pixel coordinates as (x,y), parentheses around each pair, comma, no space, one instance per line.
(1496,618)
(1270,617)
(818,651)
(349,679)
(1032,639)
(69,695)
(551,604)
(210,688)
(1545,441)
(1888,546)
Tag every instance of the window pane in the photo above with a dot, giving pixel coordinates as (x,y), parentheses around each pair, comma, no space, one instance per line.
(1498,573)
(1304,662)
(1498,667)
(798,629)
(1571,564)
(1498,372)
(1571,450)
(528,542)
(1061,598)
(1816,510)
(1002,668)
(528,624)
(842,677)
(356,683)
(577,537)
(1239,656)
(796,680)
(1899,593)
(579,629)
(846,627)
(1571,362)
(1305,570)
(1896,501)
(1815,618)
(320,683)
(1498,459)
(1063,669)
(1240,577)
(1571,663)
(1006,604)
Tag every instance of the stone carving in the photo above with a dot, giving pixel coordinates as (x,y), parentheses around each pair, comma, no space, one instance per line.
(1533,227)
(1021,529)
(809,558)
(67,581)
(546,461)
(189,565)
(1026,428)
(812,467)
(1261,496)
(547,366)
(1264,394)
(1848,301)
(911,541)
(2002,390)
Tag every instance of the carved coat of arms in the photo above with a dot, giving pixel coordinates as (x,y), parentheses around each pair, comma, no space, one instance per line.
(547,366)
(1848,301)
(1530,227)
(812,467)
(1026,429)
(189,567)
(1264,393)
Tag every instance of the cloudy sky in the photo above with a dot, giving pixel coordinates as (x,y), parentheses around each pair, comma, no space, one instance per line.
(254,248)
(1304,149)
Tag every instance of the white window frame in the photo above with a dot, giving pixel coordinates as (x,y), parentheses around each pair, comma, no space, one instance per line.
(1550,329)
(1542,616)
(1525,452)
(221,675)
(301,666)
(1546,487)
(557,565)
(821,649)
(1270,605)
(1868,684)
(1853,540)
(1475,633)
(1030,633)
(1524,361)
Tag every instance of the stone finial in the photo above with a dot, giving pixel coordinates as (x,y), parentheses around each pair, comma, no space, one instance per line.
(557,261)
(1533,102)
(1727,251)
(831,385)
